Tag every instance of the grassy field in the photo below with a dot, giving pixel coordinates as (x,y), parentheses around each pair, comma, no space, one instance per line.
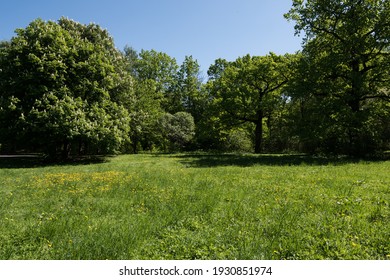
(190,206)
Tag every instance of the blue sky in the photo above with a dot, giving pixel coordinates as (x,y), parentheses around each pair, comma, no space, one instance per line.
(205,29)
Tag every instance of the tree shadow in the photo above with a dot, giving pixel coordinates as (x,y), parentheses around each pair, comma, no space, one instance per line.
(35,160)
(216,160)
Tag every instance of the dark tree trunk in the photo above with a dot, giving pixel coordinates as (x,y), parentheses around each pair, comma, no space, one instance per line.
(355,123)
(80,148)
(66,150)
(259,132)
(135,145)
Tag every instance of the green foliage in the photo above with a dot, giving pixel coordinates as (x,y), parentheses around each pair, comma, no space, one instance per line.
(63,82)
(65,89)
(177,130)
(343,77)
(249,89)
(189,87)
(197,206)
(155,93)
(238,140)
(145,112)
(160,69)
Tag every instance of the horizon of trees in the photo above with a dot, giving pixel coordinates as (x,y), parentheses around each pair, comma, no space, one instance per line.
(66,90)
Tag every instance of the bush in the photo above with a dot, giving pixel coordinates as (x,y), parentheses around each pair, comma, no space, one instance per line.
(238,140)
(178,130)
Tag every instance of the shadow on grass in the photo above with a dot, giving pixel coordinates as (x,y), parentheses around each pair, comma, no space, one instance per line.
(34,160)
(215,160)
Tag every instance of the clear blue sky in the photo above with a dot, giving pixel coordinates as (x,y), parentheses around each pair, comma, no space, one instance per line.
(205,29)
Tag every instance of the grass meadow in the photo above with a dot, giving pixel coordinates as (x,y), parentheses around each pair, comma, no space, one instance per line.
(196,206)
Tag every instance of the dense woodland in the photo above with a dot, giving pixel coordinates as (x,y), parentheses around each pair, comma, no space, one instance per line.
(66,90)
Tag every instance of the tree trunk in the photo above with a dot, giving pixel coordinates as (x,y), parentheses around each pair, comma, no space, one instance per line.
(66,150)
(259,132)
(135,145)
(355,122)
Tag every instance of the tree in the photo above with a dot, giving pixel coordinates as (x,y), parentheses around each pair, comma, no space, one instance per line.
(248,90)
(131,56)
(63,84)
(154,90)
(189,87)
(211,132)
(161,87)
(161,70)
(178,130)
(145,112)
(344,71)
(216,70)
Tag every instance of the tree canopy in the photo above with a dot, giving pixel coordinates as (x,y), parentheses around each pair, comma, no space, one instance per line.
(65,89)
(249,90)
(344,70)
(63,83)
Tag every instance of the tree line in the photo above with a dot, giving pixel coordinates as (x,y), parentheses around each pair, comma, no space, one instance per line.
(66,90)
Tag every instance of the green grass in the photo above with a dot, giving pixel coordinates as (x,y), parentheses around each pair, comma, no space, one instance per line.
(191,206)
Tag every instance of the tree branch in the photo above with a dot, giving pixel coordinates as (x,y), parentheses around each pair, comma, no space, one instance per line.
(243,118)
(380,96)
(334,34)
(277,86)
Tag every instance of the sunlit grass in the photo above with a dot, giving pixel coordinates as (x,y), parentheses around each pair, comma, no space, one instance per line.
(197,207)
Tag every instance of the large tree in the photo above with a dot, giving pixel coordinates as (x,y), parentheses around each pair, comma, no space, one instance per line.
(177,130)
(345,70)
(155,83)
(159,69)
(249,89)
(189,87)
(63,84)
